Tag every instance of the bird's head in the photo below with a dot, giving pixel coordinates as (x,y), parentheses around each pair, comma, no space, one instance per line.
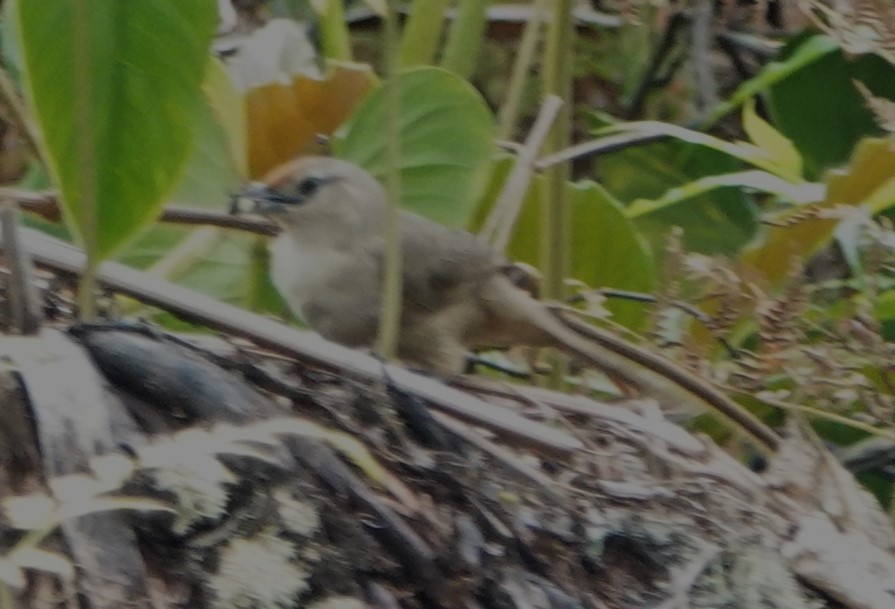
(313,192)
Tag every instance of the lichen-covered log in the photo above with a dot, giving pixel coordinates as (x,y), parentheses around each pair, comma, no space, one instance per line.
(321,489)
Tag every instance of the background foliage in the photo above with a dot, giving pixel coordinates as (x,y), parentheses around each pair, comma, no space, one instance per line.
(735,157)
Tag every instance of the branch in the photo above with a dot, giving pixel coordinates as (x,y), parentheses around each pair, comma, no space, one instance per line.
(499,226)
(672,378)
(294,343)
(45,204)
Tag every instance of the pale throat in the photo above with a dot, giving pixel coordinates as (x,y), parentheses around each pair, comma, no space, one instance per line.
(300,269)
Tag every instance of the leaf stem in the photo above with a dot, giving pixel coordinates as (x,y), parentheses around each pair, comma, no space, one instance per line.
(556,220)
(509,111)
(392,288)
(85,145)
(334,32)
(461,53)
(422,32)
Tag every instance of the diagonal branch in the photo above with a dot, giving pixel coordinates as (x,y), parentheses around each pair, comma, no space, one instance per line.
(294,343)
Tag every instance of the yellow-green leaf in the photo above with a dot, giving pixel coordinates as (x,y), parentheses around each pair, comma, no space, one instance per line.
(781,150)
(869,182)
(113,86)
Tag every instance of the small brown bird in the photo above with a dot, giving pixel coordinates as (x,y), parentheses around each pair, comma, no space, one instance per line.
(458,296)
(327,263)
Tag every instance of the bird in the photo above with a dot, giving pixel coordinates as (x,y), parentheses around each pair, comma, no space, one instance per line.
(459,294)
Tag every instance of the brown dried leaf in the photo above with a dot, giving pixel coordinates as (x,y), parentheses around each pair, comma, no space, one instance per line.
(285,119)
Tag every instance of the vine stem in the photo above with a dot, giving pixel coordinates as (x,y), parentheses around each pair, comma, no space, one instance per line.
(555,218)
(392,288)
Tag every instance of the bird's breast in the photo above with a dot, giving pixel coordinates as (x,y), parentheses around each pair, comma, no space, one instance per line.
(301,273)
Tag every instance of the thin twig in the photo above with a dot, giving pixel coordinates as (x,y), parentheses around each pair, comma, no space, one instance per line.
(393,263)
(673,378)
(45,205)
(763,49)
(499,225)
(294,343)
(24,308)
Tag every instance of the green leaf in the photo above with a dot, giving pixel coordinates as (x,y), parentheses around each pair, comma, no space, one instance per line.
(333,29)
(229,107)
(422,33)
(607,250)
(819,109)
(445,145)
(229,273)
(218,160)
(806,54)
(721,221)
(743,151)
(781,150)
(753,180)
(215,169)
(114,86)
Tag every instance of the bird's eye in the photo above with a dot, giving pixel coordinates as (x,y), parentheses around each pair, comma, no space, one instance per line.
(307,187)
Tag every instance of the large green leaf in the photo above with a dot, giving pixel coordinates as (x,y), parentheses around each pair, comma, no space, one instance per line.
(216,168)
(821,111)
(797,57)
(114,86)
(217,165)
(607,250)
(445,145)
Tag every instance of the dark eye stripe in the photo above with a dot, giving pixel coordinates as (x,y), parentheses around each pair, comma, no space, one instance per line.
(308,186)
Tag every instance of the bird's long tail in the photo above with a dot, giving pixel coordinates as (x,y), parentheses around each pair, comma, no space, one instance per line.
(537,325)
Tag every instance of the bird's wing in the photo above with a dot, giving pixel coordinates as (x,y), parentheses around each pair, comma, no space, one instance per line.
(452,262)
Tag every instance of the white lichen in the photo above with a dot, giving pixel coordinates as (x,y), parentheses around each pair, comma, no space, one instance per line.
(300,517)
(186,465)
(258,573)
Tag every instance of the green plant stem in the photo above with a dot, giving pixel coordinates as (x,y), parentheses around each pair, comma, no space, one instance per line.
(334,32)
(556,221)
(509,111)
(422,31)
(555,250)
(85,148)
(465,38)
(390,318)
(258,265)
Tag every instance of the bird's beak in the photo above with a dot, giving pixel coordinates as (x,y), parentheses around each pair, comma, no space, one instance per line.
(258,198)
